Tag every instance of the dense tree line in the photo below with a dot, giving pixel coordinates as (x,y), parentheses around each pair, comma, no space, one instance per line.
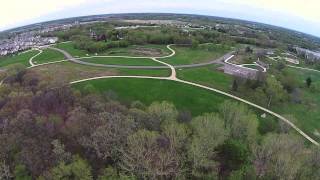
(51,132)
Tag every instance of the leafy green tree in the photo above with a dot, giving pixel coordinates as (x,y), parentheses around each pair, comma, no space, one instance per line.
(235,85)
(280,156)
(241,122)
(208,134)
(160,112)
(235,154)
(274,90)
(21,173)
(111,173)
(77,169)
(308,81)
(195,44)
(177,134)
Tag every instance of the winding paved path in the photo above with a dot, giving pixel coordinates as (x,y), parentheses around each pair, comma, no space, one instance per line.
(31,59)
(173,77)
(78,60)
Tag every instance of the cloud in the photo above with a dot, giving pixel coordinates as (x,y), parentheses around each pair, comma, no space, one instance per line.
(298,14)
(16,11)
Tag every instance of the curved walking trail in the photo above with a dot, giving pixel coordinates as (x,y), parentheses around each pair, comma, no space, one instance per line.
(173,77)
(31,59)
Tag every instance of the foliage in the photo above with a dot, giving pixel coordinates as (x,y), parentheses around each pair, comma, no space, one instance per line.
(60,133)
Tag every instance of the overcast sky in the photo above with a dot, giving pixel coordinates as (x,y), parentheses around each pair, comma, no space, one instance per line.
(301,15)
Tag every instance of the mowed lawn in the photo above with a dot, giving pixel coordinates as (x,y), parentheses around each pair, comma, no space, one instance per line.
(122,61)
(188,55)
(22,58)
(208,75)
(68,71)
(137,51)
(185,97)
(48,55)
(69,47)
(129,51)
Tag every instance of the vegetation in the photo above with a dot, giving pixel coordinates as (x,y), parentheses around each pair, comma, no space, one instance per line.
(181,95)
(130,128)
(22,58)
(48,55)
(61,133)
(204,53)
(122,61)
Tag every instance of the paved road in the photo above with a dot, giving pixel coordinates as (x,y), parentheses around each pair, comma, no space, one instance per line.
(78,60)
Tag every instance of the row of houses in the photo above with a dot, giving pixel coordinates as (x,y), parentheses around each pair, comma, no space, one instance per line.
(23,43)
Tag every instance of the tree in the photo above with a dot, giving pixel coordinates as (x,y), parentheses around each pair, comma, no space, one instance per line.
(195,44)
(108,140)
(274,90)
(160,112)
(208,134)
(5,171)
(234,85)
(308,82)
(77,169)
(311,165)
(21,173)
(248,49)
(279,157)
(241,122)
(59,151)
(111,173)
(178,134)
(150,155)
(235,154)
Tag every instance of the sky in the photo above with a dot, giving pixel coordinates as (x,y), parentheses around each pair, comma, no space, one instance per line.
(301,15)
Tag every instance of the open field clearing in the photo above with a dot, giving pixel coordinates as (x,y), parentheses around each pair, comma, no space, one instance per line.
(184,97)
(22,58)
(48,55)
(208,76)
(134,50)
(188,55)
(122,61)
(67,71)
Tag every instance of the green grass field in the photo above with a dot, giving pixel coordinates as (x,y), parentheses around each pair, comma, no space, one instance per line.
(145,72)
(70,49)
(22,58)
(129,51)
(208,75)
(48,55)
(134,51)
(188,55)
(67,72)
(122,61)
(185,97)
